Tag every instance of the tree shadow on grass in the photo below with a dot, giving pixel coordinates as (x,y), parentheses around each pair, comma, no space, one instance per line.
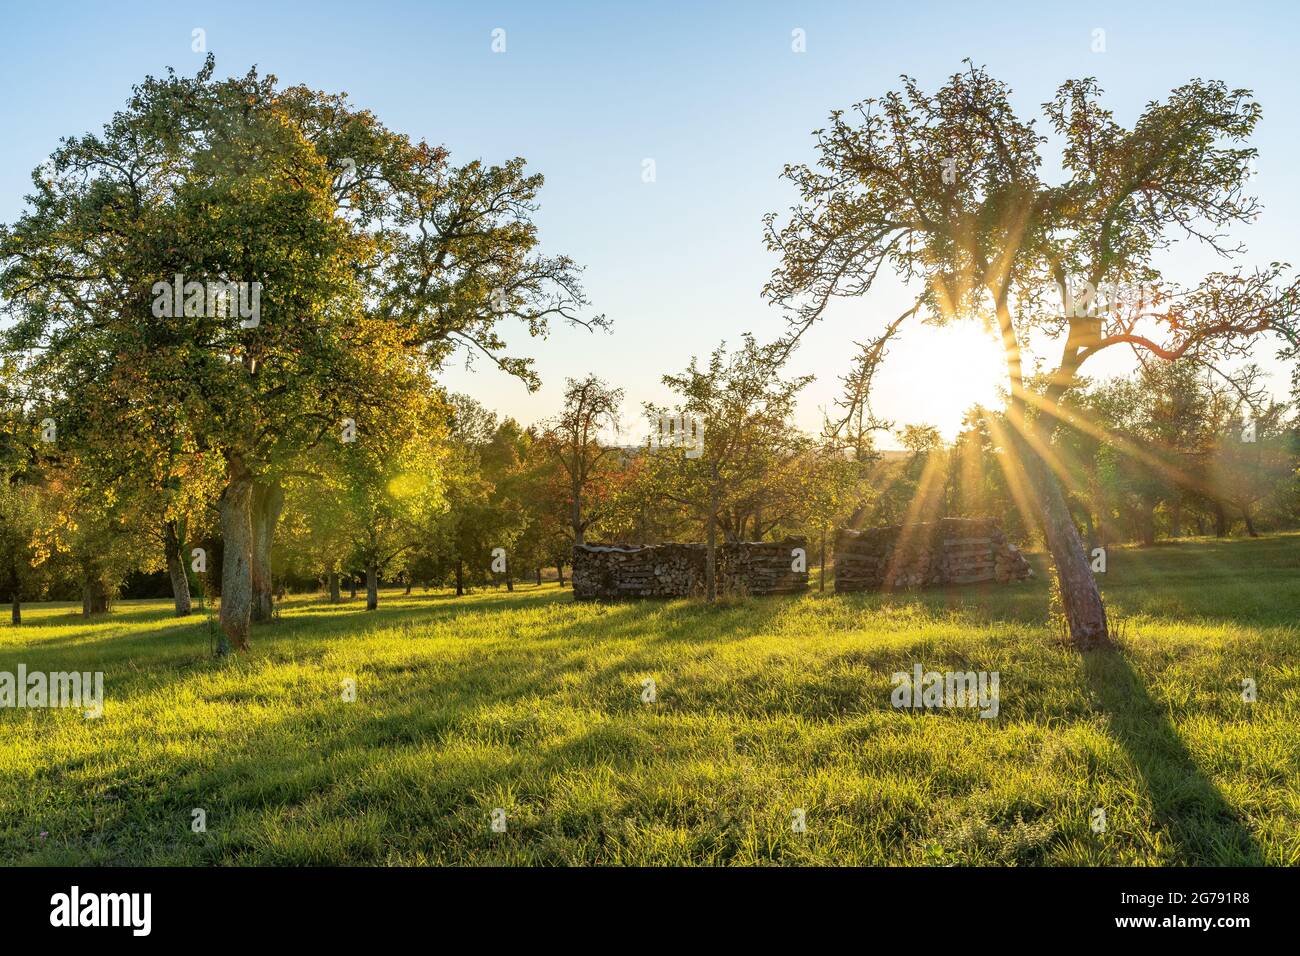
(1203,828)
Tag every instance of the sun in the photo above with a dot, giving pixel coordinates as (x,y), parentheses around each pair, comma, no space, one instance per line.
(963,365)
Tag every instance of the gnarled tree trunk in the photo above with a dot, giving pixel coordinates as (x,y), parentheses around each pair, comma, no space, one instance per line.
(1080,597)
(1085,614)
(372,587)
(267,502)
(237,558)
(333,580)
(176,569)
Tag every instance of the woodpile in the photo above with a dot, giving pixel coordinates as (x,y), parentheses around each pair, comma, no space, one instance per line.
(673,570)
(764,567)
(927,554)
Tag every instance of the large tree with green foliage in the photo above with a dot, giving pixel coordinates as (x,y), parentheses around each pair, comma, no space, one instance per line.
(362,247)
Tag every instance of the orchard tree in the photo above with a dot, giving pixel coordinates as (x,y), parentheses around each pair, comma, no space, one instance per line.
(391,496)
(22,514)
(746,413)
(23,501)
(195,185)
(590,413)
(474,523)
(349,247)
(1253,459)
(315,537)
(505,462)
(946,191)
(94,531)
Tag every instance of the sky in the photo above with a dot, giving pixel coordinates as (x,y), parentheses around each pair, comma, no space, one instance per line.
(715,95)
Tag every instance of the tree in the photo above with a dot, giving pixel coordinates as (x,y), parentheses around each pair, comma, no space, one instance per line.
(590,410)
(745,410)
(945,190)
(21,516)
(479,517)
(23,503)
(1253,459)
(315,537)
(196,185)
(391,495)
(94,530)
(349,246)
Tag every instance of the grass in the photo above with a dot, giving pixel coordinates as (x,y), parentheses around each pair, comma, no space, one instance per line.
(531,703)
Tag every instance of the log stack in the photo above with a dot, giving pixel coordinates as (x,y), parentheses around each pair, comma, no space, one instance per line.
(763,567)
(674,570)
(927,554)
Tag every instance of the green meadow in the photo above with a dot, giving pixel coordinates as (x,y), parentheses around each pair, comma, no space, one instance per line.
(530,703)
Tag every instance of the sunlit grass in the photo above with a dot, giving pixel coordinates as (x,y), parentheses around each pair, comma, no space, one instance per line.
(532,703)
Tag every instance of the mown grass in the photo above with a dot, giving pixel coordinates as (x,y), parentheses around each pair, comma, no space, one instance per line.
(531,703)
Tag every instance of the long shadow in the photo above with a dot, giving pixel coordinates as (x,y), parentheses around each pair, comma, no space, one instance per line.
(1204,829)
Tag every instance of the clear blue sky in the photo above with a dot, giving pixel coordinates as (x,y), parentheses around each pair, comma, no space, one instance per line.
(712,93)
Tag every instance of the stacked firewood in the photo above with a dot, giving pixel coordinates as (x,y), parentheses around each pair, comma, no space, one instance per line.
(764,567)
(617,571)
(927,554)
(612,571)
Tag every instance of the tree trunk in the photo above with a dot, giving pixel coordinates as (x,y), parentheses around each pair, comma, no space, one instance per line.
(711,552)
(559,569)
(1085,614)
(576,516)
(332,579)
(1220,521)
(95,598)
(821,586)
(237,559)
(1176,518)
(352,583)
(176,569)
(1250,525)
(460,577)
(16,611)
(267,502)
(408,585)
(372,587)
(1148,519)
(539,575)
(1080,597)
